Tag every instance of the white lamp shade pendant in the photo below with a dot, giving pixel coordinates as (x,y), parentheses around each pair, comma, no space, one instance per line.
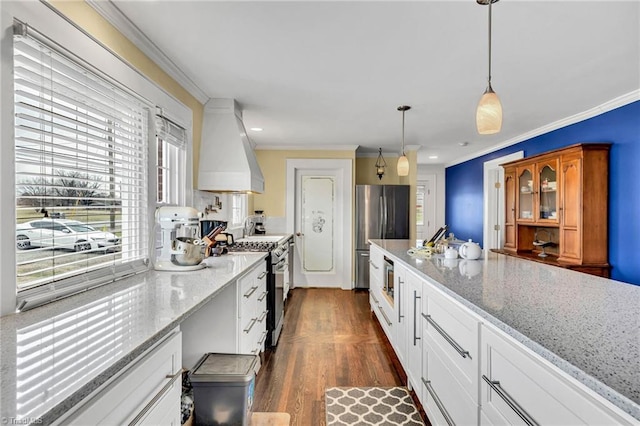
(403,166)
(489,113)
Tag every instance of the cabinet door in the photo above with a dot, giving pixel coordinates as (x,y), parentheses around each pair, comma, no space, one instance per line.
(401,317)
(525,198)
(571,232)
(510,190)
(414,343)
(517,384)
(546,192)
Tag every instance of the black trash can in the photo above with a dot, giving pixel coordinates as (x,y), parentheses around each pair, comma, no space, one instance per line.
(223,386)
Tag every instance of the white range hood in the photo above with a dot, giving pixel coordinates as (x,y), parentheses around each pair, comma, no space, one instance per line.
(227,160)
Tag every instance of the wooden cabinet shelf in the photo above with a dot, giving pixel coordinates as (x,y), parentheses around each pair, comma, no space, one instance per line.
(563,195)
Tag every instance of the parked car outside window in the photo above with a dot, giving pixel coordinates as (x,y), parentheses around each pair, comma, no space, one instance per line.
(65,234)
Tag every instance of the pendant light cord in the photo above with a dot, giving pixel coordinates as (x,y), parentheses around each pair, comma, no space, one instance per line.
(403,133)
(490,3)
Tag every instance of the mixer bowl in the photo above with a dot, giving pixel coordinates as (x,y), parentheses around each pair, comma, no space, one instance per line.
(187,252)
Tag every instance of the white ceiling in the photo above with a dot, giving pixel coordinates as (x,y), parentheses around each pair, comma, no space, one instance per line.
(334,72)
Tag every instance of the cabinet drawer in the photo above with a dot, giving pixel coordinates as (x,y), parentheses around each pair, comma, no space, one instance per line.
(137,392)
(446,399)
(383,318)
(517,384)
(453,332)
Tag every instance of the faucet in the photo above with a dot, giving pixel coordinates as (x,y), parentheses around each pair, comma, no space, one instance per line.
(248,227)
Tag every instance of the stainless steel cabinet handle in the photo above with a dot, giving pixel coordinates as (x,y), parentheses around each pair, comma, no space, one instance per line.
(389,323)
(251,324)
(400,316)
(439,404)
(262,296)
(373,296)
(448,338)
(495,385)
(172,378)
(373,264)
(250,292)
(415,317)
(262,275)
(263,338)
(263,316)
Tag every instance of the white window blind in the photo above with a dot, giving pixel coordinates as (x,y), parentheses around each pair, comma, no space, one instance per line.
(81,155)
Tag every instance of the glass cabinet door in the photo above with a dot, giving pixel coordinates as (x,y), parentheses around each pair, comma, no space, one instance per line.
(547,209)
(525,199)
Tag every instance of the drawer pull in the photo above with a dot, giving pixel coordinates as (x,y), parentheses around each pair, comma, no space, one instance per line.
(495,385)
(439,404)
(415,317)
(373,264)
(263,316)
(172,378)
(448,338)
(250,292)
(262,296)
(400,316)
(251,324)
(262,275)
(373,296)
(263,338)
(384,315)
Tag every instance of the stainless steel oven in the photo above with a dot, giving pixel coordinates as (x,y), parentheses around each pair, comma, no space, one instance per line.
(280,268)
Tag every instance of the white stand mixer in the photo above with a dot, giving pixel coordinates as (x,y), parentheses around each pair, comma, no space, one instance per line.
(176,223)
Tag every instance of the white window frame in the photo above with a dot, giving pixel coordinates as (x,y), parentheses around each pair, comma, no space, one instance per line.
(47,20)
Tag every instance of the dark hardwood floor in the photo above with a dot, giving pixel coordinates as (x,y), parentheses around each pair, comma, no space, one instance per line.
(329,338)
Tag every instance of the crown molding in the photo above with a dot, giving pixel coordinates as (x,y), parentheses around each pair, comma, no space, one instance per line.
(306,148)
(119,20)
(590,113)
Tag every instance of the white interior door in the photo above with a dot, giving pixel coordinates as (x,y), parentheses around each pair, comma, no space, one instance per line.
(425,208)
(494,201)
(319,214)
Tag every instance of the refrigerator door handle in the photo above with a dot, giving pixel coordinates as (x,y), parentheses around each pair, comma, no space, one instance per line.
(385,215)
(382,229)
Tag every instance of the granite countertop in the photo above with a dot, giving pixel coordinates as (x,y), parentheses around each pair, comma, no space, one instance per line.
(587,326)
(55,355)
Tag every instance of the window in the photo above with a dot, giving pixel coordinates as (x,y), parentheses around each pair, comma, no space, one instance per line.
(238,209)
(171,140)
(81,155)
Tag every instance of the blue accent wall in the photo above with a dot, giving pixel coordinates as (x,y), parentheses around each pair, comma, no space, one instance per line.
(621,127)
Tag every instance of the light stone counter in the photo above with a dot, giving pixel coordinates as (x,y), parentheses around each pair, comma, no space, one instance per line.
(55,355)
(587,326)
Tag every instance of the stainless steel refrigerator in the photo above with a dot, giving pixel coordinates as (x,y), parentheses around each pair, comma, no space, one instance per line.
(382,212)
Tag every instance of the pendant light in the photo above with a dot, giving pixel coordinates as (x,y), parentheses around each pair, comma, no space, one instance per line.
(489,111)
(403,161)
(380,164)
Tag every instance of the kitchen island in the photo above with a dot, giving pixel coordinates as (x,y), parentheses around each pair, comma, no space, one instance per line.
(585,326)
(53,357)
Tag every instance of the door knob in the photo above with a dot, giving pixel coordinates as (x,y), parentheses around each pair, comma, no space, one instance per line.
(299,234)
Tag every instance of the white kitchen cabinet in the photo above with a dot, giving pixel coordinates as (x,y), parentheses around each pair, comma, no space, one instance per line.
(400,317)
(252,310)
(234,321)
(453,331)
(414,330)
(146,393)
(519,387)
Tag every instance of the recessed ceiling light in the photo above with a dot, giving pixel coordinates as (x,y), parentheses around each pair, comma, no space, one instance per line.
(256,129)
(463,143)
(433,157)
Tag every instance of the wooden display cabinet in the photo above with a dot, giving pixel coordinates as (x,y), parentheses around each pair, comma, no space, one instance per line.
(560,198)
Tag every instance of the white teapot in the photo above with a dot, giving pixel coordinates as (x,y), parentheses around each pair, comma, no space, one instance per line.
(470,250)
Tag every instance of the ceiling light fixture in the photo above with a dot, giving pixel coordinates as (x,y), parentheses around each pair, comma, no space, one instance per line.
(489,111)
(256,129)
(403,161)
(380,164)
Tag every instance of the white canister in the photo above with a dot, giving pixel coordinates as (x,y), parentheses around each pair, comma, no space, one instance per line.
(451,253)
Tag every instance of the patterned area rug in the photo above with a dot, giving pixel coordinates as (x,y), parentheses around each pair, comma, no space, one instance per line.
(370,406)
